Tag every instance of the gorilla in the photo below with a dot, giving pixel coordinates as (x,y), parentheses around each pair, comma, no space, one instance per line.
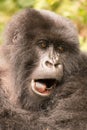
(43,74)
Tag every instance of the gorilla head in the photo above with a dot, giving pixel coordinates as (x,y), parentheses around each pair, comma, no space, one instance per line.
(42,50)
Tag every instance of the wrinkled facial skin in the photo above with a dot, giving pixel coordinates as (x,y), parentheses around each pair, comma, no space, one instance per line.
(43,53)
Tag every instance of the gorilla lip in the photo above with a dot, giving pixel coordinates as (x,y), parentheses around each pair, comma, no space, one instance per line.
(43,87)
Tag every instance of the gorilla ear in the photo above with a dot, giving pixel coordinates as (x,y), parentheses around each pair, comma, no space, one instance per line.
(15,36)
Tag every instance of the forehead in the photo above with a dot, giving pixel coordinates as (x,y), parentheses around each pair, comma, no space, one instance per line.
(53,33)
(50,25)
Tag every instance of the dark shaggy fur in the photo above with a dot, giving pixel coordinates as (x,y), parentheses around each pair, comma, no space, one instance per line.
(20,56)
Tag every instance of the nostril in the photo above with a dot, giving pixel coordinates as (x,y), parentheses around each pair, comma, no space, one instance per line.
(56,65)
(48,64)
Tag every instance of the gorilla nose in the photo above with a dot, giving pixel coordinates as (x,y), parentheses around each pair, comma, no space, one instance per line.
(51,64)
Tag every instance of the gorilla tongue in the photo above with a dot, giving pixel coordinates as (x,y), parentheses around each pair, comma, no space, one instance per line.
(40,87)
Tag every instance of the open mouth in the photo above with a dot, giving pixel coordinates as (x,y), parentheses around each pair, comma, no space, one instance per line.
(43,87)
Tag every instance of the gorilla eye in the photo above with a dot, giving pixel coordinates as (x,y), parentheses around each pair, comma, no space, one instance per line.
(43,44)
(61,49)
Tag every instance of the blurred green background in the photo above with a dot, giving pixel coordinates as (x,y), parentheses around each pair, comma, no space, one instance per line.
(76,10)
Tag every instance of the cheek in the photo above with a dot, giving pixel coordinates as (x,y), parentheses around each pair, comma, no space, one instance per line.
(70,63)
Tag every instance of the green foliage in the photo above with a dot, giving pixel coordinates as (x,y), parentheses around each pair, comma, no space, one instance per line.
(73,9)
(26,3)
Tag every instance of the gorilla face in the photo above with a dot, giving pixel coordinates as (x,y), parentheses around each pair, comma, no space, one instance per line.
(43,53)
(49,69)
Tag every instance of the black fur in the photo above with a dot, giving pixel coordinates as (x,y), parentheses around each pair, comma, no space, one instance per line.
(66,107)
